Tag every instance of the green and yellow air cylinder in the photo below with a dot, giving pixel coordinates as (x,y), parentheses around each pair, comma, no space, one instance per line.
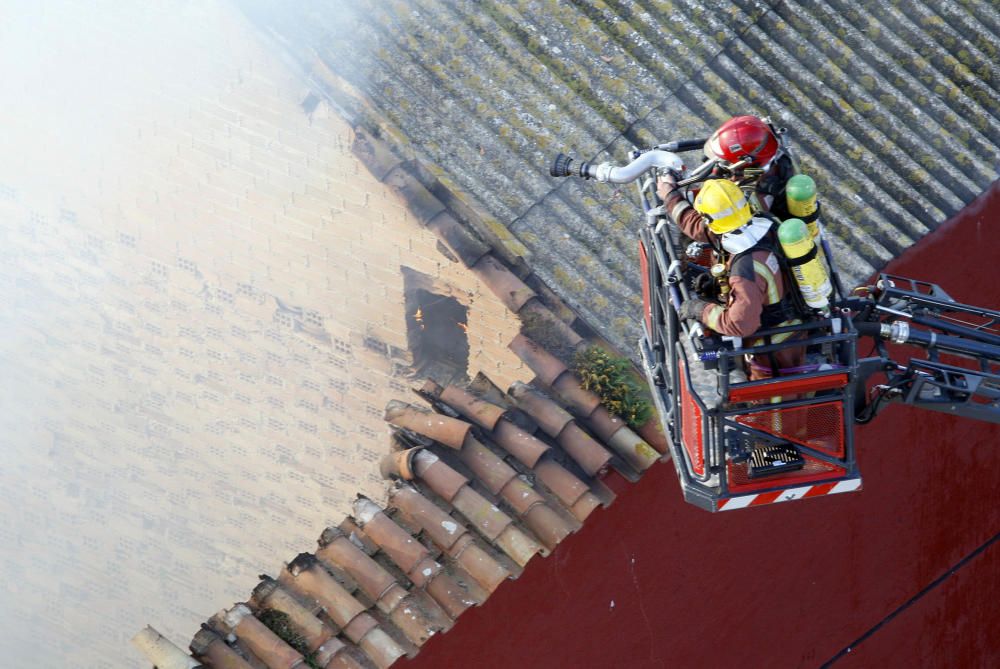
(807,266)
(800,194)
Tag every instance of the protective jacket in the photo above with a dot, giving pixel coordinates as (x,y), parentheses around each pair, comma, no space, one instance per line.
(757,287)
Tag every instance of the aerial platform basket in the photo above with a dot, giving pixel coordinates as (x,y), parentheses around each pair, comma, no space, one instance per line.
(738,443)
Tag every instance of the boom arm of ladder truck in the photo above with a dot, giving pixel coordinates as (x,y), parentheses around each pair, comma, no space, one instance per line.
(961,371)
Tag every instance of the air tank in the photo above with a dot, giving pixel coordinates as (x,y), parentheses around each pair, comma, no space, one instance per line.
(803,257)
(800,194)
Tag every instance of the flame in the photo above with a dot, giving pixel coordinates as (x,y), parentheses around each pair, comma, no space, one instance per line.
(418,316)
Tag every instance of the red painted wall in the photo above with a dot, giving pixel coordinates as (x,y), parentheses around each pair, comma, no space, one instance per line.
(654,582)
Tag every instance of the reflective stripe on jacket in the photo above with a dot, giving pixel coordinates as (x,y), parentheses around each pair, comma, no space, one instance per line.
(755,279)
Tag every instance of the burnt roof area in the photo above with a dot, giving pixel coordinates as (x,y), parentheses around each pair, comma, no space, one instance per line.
(891,106)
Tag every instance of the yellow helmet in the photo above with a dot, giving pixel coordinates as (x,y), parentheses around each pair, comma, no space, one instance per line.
(724,204)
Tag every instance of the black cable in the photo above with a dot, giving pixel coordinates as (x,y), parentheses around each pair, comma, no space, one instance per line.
(902,607)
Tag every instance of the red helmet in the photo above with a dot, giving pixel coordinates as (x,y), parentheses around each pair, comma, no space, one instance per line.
(740,137)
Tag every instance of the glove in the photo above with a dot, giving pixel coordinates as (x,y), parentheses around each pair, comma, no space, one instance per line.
(706,287)
(666,183)
(692,309)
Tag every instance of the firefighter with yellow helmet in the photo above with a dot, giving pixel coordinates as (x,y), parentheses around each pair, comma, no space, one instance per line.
(759,297)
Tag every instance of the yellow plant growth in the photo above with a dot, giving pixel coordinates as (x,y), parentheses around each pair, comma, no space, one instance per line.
(610,378)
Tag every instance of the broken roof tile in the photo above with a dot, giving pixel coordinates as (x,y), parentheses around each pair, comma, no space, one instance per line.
(444,429)
(482,413)
(399,464)
(162,651)
(485,389)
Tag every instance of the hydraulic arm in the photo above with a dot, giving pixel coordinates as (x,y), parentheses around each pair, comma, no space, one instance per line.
(961,373)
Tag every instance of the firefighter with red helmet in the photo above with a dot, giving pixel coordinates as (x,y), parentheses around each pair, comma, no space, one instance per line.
(748,149)
(759,295)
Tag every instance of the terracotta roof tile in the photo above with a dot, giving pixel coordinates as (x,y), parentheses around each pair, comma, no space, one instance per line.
(438,525)
(448,534)
(551,417)
(357,536)
(377,583)
(399,464)
(603,423)
(162,651)
(442,479)
(443,429)
(545,365)
(633,449)
(381,648)
(270,595)
(218,626)
(546,523)
(635,452)
(501,479)
(491,471)
(213,651)
(652,433)
(485,389)
(397,543)
(306,576)
(585,506)
(482,514)
(518,545)
(504,284)
(558,423)
(264,643)
(565,485)
(482,413)
(523,446)
(415,614)
(483,498)
(580,402)
(413,558)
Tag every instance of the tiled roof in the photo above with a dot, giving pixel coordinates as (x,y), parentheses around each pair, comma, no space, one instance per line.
(892,107)
(484,482)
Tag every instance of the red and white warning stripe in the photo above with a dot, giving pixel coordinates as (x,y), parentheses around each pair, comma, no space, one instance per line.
(774,496)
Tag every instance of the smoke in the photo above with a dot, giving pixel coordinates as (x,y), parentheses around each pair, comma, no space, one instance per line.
(135,483)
